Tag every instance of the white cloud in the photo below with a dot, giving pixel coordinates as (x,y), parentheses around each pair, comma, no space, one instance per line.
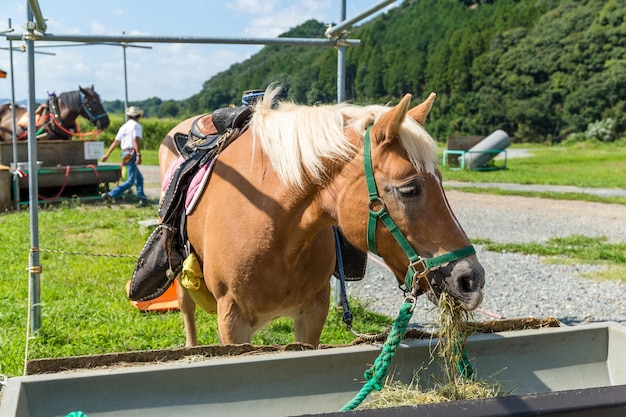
(268,19)
(98,27)
(281,22)
(55,26)
(253,6)
(176,71)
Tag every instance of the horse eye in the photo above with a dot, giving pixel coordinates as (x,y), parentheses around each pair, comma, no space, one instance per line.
(412,190)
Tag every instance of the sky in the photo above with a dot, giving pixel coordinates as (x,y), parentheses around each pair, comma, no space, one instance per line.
(167,71)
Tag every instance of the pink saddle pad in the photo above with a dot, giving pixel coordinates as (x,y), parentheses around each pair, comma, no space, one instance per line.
(196,186)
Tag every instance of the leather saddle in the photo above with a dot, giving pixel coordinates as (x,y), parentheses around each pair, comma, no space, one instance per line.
(208,134)
(210,130)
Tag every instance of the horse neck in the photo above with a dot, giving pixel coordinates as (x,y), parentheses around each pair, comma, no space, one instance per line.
(69,108)
(297,208)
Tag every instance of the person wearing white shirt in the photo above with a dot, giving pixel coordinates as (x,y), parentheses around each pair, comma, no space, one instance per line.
(128,138)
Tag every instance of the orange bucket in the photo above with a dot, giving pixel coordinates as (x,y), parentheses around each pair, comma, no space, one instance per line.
(165,302)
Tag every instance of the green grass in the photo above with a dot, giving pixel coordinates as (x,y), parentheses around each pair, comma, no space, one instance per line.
(586,164)
(84,306)
(573,249)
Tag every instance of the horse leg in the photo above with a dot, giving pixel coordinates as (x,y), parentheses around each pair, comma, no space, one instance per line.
(309,323)
(232,327)
(188,310)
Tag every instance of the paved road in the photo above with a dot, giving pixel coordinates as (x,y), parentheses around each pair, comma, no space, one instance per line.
(152,181)
(602,192)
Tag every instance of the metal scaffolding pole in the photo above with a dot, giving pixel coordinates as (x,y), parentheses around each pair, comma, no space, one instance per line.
(34,268)
(192,39)
(341,59)
(333,31)
(341,97)
(125,83)
(16,187)
(40,25)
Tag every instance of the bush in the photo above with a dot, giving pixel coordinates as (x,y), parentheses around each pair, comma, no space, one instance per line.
(154,130)
(602,130)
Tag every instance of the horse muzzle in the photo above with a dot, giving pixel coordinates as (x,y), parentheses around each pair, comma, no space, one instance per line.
(463,280)
(102,122)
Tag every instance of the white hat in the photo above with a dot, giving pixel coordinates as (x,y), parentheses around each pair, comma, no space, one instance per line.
(133,111)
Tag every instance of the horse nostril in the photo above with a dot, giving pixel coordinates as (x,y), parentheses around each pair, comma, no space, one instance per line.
(467,283)
(469,277)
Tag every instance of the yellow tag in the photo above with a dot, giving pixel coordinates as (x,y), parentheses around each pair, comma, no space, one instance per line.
(191,275)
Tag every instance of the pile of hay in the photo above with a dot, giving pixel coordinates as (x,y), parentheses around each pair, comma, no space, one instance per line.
(457,382)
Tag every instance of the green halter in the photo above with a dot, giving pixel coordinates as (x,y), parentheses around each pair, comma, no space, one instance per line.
(418,267)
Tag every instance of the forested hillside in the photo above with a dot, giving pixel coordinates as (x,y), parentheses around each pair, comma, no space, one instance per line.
(539,69)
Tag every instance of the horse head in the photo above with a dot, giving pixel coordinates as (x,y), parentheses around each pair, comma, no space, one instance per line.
(409,221)
(92,109)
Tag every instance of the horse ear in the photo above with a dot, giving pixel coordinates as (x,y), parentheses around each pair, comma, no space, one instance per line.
(392,120)
(420,112)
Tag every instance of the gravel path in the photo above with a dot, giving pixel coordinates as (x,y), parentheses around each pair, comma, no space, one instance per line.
(520,285)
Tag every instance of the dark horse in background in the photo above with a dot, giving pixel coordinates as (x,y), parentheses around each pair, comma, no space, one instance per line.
(56,119)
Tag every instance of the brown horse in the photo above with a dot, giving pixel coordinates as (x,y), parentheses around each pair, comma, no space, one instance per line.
(262,229)
(57,118)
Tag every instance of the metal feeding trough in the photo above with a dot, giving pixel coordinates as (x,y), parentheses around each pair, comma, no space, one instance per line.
(569,371)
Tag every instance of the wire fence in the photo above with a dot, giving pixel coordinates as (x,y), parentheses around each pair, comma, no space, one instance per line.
(64,252)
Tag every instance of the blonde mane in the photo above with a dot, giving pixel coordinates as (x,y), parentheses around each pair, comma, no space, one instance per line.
(299,139)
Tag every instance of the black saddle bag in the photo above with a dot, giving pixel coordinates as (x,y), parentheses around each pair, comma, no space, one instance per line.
(157,265)
(354,260)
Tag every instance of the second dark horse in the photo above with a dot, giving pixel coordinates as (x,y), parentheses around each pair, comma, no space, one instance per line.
(57,118)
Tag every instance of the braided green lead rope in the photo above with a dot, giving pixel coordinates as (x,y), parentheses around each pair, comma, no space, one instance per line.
(464,365)
(376,374)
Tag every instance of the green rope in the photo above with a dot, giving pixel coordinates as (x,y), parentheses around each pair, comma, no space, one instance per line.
(464,365)
(376,374)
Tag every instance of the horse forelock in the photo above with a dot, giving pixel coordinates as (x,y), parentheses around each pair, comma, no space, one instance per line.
(419,145)
(299,139)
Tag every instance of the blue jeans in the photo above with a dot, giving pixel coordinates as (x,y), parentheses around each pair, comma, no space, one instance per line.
(134,177)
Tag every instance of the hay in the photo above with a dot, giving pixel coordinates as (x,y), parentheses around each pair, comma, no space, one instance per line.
(457,382)
(452,335)
(397,394)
